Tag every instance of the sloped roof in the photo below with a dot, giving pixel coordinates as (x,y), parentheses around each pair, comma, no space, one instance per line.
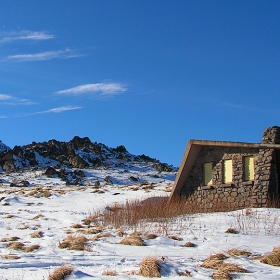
(192,150)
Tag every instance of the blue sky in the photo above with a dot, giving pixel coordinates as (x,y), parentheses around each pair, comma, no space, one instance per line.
(149,75)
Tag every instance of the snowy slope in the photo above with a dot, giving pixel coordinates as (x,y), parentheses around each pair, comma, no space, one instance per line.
(50,206)
(3,147)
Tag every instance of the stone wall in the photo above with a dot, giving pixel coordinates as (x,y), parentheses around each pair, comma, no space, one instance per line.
(260,192)
(236,194)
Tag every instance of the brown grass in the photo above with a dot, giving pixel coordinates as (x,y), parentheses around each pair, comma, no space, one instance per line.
(151,236)
(77,226)
(231,230)
(184,273)
(101,235)
(273,258)
(214,261)
(31,248)
(135,213)
(109,273)
(36,234)
(37,217)
(73,243)
(174,237)
(221,275)
(237,252)
(9,239)
(189,244)
(15,245)
(61,272)
(150,267)
(133,241)
(10,257)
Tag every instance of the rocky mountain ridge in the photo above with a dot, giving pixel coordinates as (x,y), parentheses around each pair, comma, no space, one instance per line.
(78,153)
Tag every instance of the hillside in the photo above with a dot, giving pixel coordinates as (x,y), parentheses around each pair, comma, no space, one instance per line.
(54,200)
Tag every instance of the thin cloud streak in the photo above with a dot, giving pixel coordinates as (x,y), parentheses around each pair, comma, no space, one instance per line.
(25,35)
(5,97)
(14,101)
(56,110)
(103,88)
(42,56)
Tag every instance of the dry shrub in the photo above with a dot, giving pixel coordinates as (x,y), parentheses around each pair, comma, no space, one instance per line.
(174,237)
(151,236)
(10,257)
(221,275)
(184,273)
(150,267)
(31,248)
(73,243)
(101,235)
(273,258)
(90,219)
(61,272)
(77,226)
(9,239)
(109,273)
(10,216)
(214,261)
(231,230)
(36,234)
(90,231)
(15,245)
(237,252)
(135,213)
(133,241)
(37,217)
(189,244)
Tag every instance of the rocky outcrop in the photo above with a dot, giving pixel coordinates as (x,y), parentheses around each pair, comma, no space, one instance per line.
(78,153)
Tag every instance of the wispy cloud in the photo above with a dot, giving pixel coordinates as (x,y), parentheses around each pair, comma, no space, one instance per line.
(24,35)
(60,109)
(67,53)
(56,110)
(7,99)
(102,88)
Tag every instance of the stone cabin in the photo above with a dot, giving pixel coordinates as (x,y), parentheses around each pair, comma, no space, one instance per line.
(238,173)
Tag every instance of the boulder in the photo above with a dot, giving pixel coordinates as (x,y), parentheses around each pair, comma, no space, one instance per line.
(78,162)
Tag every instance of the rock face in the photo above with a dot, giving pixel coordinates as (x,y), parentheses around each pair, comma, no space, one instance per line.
(79,153)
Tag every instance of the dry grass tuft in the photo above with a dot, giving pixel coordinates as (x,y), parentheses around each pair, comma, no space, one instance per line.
(231,230)
(231,268)
(151,236)
(9,239)
(73,243)
(77,226)
(15,245)
(214,261)
(237,252)
(133,241)
(109,273)
(37,217)
(101,235)
(10,216)
(221,275)
(61,272)
(184,273)
(174,237)
(36,234)
(10,257)
(189,244)
(273,258)
(31,248)
(150,267)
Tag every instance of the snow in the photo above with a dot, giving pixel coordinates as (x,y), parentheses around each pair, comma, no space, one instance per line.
(3,147)
(259,229)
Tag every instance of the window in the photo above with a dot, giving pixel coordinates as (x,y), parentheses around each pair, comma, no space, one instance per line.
(249,168)
(227,171)
(208,173)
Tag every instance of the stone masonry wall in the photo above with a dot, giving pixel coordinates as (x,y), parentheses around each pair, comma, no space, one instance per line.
(236,194)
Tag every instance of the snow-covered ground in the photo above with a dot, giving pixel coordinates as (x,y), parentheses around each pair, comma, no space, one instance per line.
(49,206)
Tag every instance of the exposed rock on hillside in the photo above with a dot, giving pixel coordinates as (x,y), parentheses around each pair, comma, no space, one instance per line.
(79,153)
